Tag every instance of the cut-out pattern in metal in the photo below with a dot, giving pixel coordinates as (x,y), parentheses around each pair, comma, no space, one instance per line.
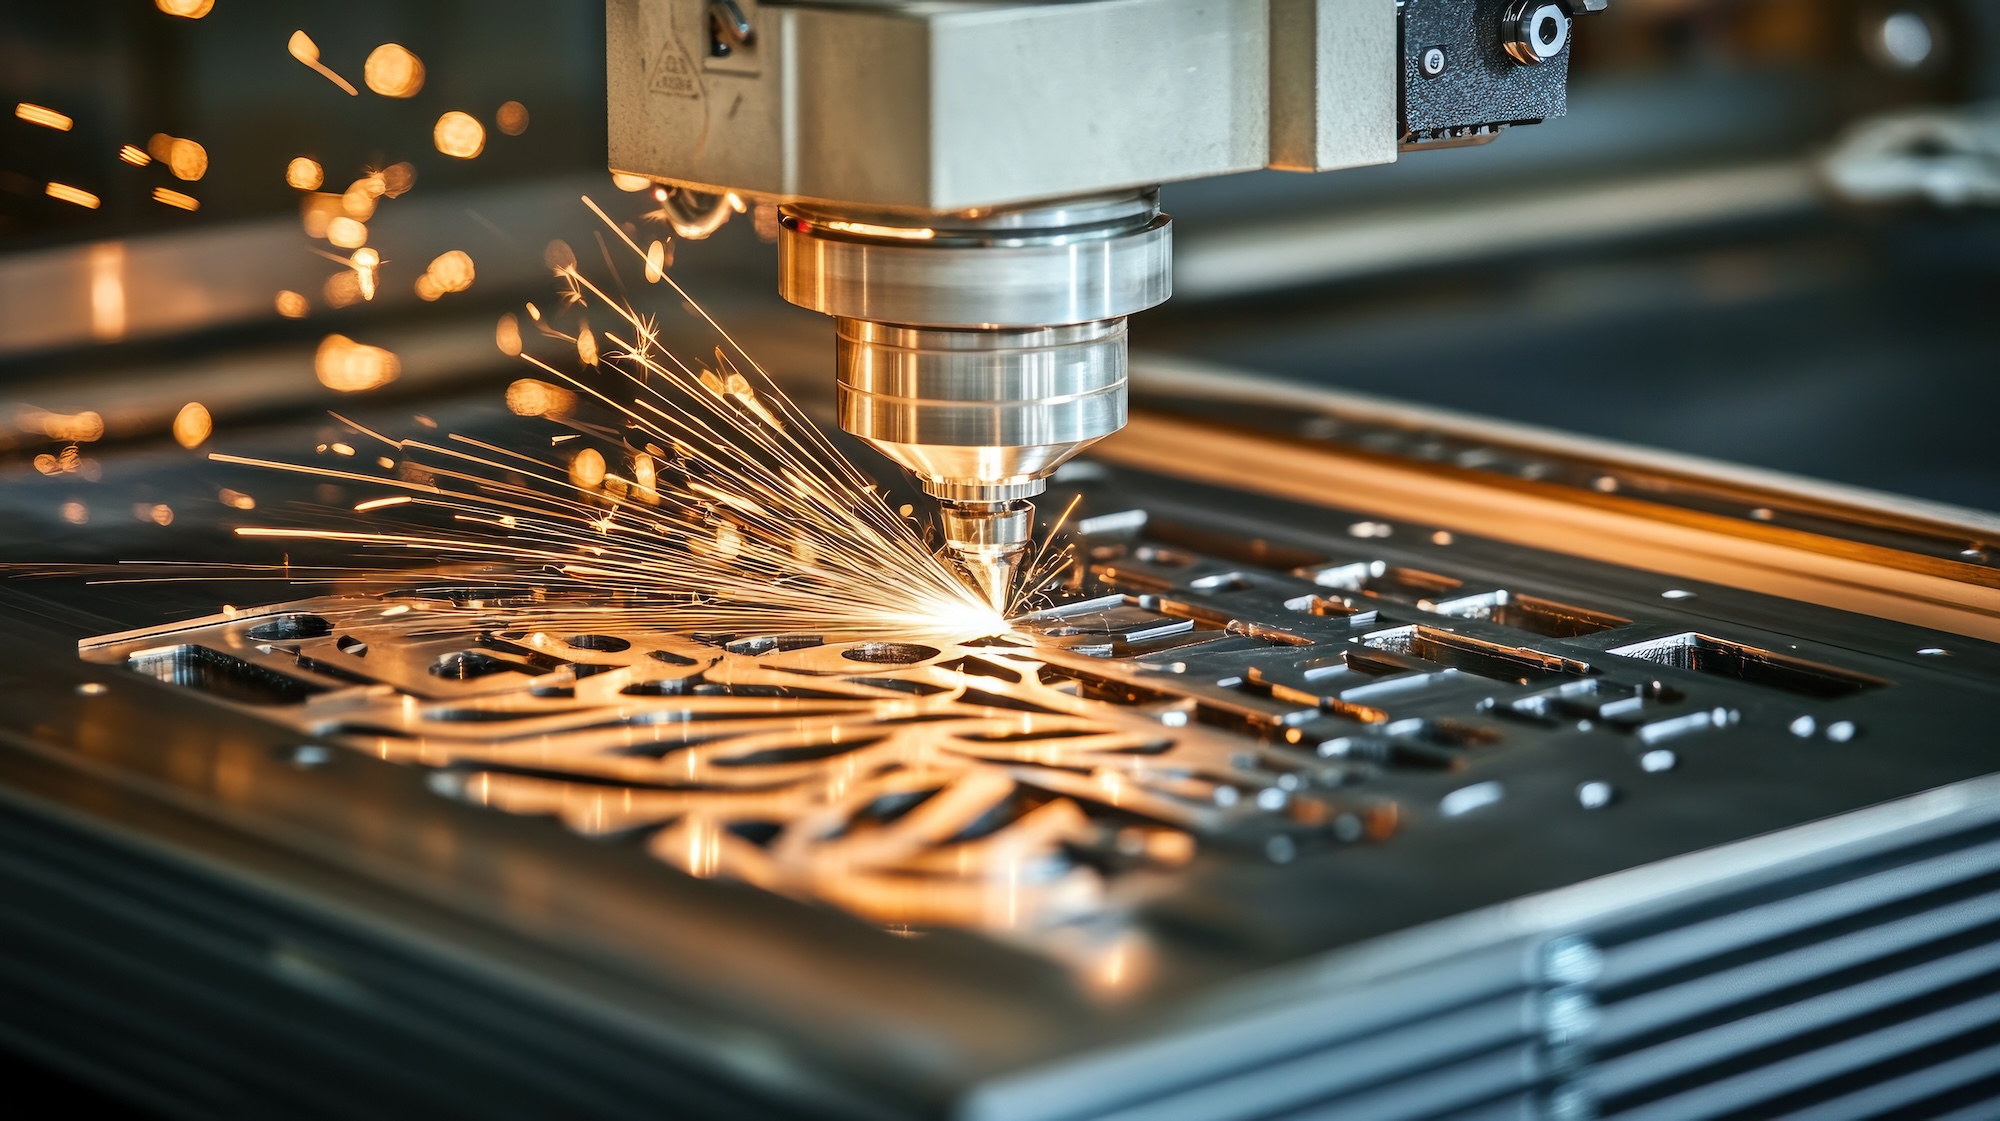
(1192,693)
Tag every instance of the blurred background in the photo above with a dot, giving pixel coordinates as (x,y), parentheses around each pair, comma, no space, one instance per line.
(1764,233)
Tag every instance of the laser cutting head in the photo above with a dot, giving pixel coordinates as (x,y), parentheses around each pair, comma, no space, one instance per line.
(982,350)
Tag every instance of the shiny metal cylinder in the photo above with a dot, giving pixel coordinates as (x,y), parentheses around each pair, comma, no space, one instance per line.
(1065,263)
(981,415)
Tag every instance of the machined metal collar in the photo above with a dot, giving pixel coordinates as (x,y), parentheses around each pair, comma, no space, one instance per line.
(1071,262)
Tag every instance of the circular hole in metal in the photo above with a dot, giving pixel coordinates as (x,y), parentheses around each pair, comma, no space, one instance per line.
(603,643)
(890,653)
(287,628)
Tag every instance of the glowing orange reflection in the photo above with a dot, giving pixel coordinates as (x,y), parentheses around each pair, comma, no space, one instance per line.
(186,9)
(134,155)
(175,199)
(292,305)
(107,290)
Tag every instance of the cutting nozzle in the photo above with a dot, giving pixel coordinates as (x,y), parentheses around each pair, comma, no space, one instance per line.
(990,541)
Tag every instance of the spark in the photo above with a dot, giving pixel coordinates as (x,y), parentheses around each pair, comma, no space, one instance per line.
(192,425)
(77,195)
(351,367)
(712,505)
(134,155)
(459,134)
(512,118)
(304,173)
(187,160)
(507,335)
(186,9)
(307,51)
(44,116)
(175,199)
(393,70)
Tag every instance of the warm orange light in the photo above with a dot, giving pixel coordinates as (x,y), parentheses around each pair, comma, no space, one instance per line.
(73,428)
(77,195)
(342,288)
(192,425)
(187,160)
(459,134)
(393,71)
(292,305)
(304,174)
(346,233)
(186,9)
(871,230)
(351,367)
(236,499)
(587,469)
(134,155)
(317,211)
(507,335)
(586,347)
(44,116)
(657,261)
(452,271)
(358,201)
(427,288)
(75,513)
(158,145)
(175,199)
(625,182)
(107,290)
(512,118)
(397,178)
(530,397)
(307,51)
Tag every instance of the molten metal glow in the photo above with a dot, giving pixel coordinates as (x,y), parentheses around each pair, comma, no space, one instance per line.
(44,116)
(459,134)
(393,71)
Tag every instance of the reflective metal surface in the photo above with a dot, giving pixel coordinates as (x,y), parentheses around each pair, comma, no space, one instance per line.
(1274,807)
